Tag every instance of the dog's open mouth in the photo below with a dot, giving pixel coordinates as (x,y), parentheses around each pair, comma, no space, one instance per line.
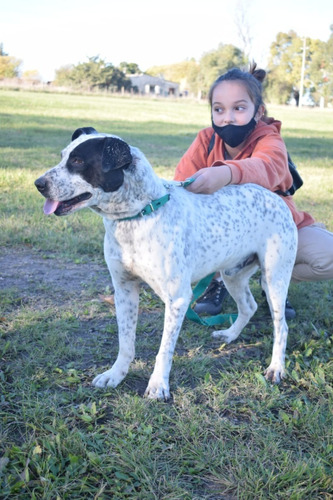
(64,207)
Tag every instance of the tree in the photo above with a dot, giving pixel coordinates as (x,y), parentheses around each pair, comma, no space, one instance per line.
(197,77)
(185,73)
(9,66)
(114,79)
(95,73)
(216,62)
(63,75)
(32,76)
(129,68)
(88,73)
(321,70)
(285,67)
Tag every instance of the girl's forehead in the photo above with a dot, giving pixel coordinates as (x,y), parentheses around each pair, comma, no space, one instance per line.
(231,90)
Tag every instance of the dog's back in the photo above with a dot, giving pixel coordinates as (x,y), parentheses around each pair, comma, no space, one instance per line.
(222,229)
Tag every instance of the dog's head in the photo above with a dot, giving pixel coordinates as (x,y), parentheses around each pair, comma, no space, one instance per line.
(92,163)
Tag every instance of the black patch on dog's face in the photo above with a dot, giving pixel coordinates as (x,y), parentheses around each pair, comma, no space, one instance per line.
(101,162)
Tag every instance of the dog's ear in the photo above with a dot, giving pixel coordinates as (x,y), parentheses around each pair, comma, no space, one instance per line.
(83,130)
(116,154)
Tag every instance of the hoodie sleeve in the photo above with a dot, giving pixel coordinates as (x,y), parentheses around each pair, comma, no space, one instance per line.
(262,161)
(266,164)
(196,157)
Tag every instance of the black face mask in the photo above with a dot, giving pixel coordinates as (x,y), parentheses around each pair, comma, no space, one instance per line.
(234,135)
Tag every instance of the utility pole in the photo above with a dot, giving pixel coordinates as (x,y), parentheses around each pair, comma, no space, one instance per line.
(302,74)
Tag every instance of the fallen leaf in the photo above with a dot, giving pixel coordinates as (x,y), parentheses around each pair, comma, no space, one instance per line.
(37,450)
(109,299)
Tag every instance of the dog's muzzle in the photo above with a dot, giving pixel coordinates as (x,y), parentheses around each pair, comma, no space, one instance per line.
(63,207)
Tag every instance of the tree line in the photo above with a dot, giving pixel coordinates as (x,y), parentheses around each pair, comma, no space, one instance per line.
(295,65)
(97,74)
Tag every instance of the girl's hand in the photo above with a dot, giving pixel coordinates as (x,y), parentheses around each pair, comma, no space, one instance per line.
(209,180)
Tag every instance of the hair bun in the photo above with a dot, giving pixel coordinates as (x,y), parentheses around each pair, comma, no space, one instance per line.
(259,74)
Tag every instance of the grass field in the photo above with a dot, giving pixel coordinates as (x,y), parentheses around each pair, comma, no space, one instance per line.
(226,433)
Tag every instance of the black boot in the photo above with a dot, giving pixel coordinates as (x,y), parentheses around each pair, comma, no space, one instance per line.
(290,312)
(211,301)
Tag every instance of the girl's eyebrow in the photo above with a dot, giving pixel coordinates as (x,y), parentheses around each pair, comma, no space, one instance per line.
(241,101)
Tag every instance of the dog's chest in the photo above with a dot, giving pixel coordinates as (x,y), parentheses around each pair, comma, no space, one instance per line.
(141,247)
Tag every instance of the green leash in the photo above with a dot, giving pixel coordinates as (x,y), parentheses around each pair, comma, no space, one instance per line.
(156,204)
(198,290)
(219,319)
(150,208)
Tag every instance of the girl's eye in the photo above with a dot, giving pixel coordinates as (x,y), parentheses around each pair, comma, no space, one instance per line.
(218,110)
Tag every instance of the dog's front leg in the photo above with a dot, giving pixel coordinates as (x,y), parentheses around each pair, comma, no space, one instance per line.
(127,302)
(158,386)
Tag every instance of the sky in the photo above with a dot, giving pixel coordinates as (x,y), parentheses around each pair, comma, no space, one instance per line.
(48,35)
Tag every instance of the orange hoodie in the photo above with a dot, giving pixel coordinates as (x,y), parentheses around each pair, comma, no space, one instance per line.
(263,161)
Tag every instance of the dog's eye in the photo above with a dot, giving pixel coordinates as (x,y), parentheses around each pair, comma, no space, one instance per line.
(77,161)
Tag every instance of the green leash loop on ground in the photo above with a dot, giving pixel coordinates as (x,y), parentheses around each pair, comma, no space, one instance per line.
(219,319)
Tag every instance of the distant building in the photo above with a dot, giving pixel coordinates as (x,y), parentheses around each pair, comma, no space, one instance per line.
(153,85)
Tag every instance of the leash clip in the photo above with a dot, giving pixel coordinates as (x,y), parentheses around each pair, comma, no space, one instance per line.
(187,182)
(182,184)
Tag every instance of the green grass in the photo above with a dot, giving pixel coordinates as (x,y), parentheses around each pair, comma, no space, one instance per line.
(226,434)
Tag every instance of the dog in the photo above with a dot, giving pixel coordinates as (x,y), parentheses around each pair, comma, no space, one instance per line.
(158,232)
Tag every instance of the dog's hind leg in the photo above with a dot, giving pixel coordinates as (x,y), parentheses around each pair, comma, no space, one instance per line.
(238,287)
(175,309)
(276,268)
(276,289)
(127,302)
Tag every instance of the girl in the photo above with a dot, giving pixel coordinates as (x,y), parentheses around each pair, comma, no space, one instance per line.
(242,146)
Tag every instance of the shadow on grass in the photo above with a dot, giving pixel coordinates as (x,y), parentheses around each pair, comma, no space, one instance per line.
(162,142)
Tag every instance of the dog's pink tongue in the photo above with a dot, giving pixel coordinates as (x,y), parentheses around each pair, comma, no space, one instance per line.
(50,207)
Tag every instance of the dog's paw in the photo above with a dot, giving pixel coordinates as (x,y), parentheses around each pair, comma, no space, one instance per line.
(157,390)
(274,374)
(110,378)
(226,336)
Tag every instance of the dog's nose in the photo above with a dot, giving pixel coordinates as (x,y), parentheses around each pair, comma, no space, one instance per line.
(40,184)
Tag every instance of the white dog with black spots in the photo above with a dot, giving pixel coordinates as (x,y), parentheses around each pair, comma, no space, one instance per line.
(158,232)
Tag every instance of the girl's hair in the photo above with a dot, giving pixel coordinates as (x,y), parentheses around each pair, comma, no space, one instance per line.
(251,79)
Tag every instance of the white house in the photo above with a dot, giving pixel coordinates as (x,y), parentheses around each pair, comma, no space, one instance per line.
(153,85)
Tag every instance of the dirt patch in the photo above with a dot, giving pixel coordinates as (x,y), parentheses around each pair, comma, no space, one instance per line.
(32,274)
(41,281)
